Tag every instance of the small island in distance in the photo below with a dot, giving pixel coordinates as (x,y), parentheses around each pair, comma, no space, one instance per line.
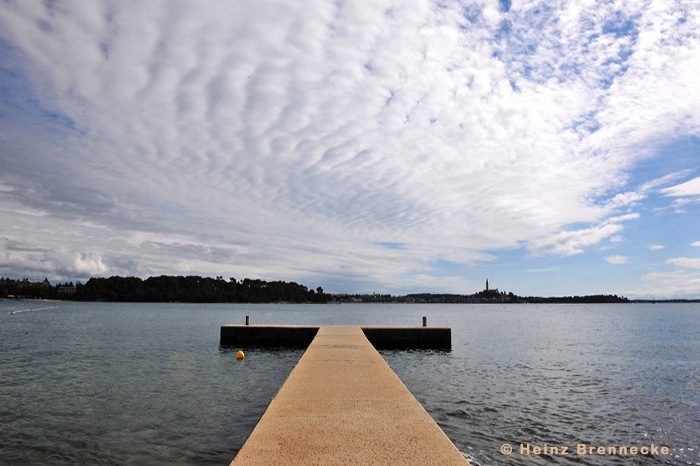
(195,289)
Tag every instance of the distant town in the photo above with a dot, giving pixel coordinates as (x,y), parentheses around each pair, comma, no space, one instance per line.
(487,295)
(194,289)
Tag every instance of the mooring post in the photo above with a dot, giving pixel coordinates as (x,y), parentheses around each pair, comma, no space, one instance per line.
(425,321)
(247,320)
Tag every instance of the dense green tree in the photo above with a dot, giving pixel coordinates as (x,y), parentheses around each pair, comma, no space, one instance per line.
(194,289)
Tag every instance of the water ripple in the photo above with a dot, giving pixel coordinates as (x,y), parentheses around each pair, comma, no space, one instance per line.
(133,384)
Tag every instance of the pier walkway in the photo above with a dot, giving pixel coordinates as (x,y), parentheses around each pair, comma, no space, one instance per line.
(342,404)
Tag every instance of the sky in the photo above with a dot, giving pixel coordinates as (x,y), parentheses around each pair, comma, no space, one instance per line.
(551,147)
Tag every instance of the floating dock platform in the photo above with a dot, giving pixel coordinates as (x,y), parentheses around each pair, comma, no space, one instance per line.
(342,404)
(301,336)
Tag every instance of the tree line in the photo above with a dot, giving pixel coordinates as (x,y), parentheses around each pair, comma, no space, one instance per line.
(10,288)
(190,289)
(195,289)
(482,297)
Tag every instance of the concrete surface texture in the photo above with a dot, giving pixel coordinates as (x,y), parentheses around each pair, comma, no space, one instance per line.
(342,404)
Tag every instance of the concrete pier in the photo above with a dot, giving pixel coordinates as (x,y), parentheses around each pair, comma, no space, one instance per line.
(342,404)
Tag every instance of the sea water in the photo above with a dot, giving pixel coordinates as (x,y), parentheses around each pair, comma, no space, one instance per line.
(106,383)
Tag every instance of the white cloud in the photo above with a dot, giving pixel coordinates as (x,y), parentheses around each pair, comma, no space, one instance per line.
(687,262)
(664,180)
(56,263)
(696,243)
(689,188)
(547,269)
(568,243)
(660,285)
(656,247)
(283,140)
(75,263)
(622,218)
(626,198)
(617,260)
(632,198)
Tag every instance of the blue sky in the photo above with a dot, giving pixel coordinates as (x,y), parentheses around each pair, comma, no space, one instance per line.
(389,147)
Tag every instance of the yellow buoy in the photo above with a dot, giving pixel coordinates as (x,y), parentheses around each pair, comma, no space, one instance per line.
(240,355)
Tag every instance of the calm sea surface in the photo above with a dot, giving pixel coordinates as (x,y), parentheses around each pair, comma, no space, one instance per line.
(88,383)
